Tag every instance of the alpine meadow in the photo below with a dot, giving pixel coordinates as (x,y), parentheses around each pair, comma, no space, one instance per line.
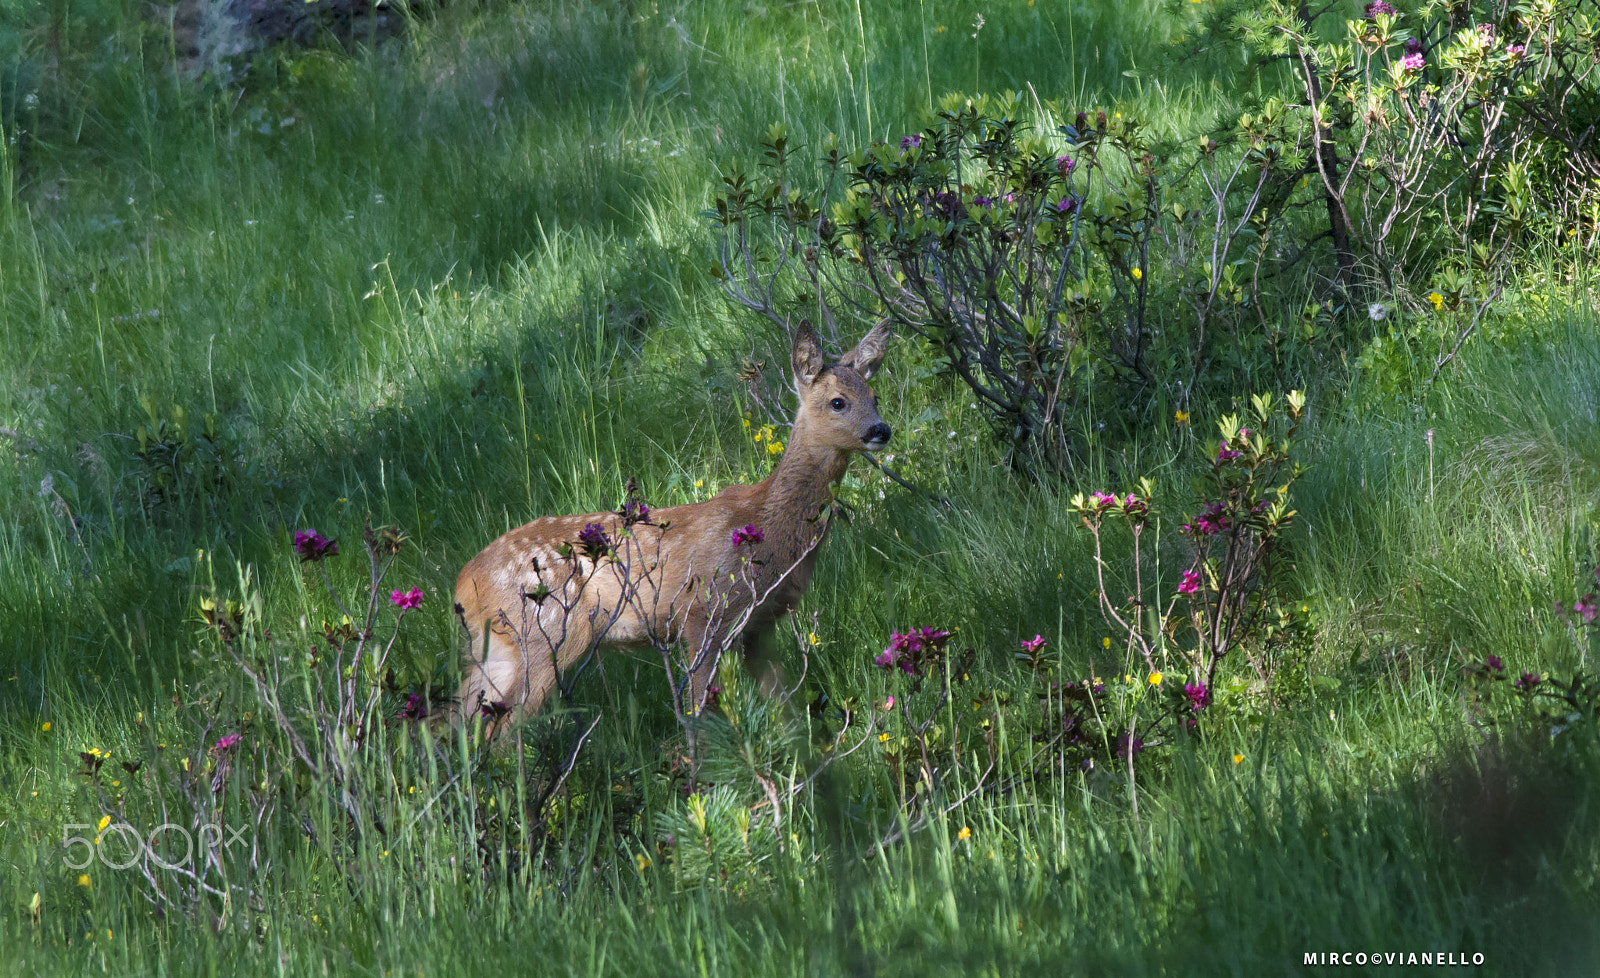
(1211,566)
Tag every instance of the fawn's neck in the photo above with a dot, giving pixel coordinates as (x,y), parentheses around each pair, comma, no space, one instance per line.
(797,491)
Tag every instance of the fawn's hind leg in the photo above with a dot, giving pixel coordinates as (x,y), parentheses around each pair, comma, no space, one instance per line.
(518,669)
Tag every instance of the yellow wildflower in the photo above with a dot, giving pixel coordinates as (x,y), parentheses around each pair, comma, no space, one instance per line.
(883,738)
(642,861)
(1138,273)
(965,833)
(84,881)
(1155,679)
(1238,758)
(1437,300)
(1181,417)
(45,726)
(1105,643)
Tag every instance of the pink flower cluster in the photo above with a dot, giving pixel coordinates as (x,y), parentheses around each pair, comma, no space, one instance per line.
(313,546)
(748,534)
(1584,608)
(1413,61)
(1226,453)
(414,708)
(592,538)
(1376,7)
(1190,584)
(406,600)
(1130,504)
(1213,519)
(1033,645)
(907,651)
(226,744)
(1199,695)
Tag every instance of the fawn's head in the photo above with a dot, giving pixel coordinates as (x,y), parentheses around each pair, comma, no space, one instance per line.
(837,408)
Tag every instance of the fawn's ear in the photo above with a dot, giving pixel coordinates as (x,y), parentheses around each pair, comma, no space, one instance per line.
(867,357)
(807,355)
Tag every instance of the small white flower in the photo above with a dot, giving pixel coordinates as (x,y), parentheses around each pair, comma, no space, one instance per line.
(1377,312)
(951,435)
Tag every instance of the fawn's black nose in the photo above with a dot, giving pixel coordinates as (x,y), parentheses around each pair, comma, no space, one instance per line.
(878,435)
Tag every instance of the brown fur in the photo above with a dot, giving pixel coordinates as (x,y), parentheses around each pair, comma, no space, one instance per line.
(678,578)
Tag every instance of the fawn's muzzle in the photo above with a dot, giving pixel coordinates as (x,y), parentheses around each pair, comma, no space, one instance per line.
(877,435)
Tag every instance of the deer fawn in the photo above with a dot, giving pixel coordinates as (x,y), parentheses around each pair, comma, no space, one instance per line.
(544,596)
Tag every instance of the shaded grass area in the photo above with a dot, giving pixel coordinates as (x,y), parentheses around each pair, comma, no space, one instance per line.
(1239,869)
(462,281)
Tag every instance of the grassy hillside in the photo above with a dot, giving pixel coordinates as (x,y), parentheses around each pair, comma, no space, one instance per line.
(464,279)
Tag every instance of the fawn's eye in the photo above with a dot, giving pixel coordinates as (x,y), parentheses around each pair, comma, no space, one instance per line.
(837,404)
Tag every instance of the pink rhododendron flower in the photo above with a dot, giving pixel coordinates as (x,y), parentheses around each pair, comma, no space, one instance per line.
(313,546)
(594,541)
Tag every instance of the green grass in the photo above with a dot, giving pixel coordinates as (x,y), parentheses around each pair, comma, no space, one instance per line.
(467,285)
